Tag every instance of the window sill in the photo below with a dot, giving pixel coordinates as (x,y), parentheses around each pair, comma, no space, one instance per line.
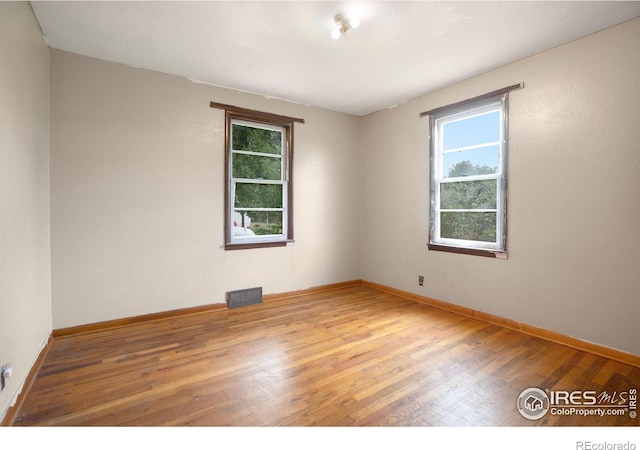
(468,251)
(249,245)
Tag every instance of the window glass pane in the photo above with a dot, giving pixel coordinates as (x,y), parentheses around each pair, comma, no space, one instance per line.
(256,167)
(469,226)
(480,194)
(465,163)
(475,130)
(250,139)
(254,195)
(257,223)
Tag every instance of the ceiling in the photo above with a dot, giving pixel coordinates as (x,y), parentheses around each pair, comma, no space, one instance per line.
(283,49)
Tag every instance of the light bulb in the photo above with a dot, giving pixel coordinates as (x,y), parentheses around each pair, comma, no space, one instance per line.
(354,22)
(335,33)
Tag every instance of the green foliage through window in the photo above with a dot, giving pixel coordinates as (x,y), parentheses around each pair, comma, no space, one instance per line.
(254,195)
(481,194)
(260,140)
(257,167)
(470,226)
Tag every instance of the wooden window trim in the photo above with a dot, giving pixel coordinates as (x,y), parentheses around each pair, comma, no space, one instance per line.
(251,114)
(461,105)
(467,251)
(455,108)
(233,113)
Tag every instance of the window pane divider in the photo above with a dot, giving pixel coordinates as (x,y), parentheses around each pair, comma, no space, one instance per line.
(256,181)
(472,147)
(246,152)
(490,176)
(240,208)
(469,210)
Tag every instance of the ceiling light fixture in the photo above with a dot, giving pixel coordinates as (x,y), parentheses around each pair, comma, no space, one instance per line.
(343,24)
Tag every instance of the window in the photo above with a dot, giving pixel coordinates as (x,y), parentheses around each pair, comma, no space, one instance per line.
(259,185)
(468,189)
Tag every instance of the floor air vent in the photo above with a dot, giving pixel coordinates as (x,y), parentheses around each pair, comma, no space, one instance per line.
(244,297)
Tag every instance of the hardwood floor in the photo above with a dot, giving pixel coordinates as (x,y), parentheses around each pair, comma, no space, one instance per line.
(349,357)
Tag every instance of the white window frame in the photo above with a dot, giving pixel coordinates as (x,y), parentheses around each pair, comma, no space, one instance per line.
(457,112)
(233,182)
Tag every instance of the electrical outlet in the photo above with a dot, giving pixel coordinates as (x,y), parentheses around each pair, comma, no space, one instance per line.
(5,372)
(420,280)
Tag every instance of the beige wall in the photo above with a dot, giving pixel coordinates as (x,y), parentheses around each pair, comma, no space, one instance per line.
(574,210)
(137,192)
(25,271)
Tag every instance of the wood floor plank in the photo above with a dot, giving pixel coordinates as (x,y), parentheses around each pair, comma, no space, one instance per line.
(354,356)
